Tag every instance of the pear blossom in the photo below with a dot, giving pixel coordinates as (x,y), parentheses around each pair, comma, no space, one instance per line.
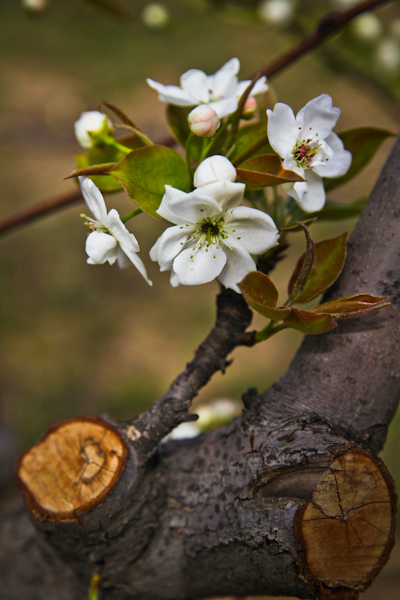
(220,91)
(109,240)
(91,122)
(308,147)
(213,237)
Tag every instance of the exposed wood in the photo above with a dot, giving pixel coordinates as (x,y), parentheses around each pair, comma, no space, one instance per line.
(74,466)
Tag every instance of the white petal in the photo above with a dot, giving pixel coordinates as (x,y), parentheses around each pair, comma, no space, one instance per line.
(310,195)
(238,264)
(224,106)
(126,239)
(195,84)
(172,94)
(174,279)
(188,209)
(101,247)
(198,266)
(254,229)
(339,163)
(93,199)
(92,121)
(214,168)
(282,129)
(168,246)
(260,87)
(226,193)
(317,118)
(223,82)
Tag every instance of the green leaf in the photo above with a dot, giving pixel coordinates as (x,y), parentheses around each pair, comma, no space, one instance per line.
(178,123)
(262,296)
(351,306)
(328,262)
(265,170)
(145,172)
(302,273)
(104,158)
(251,140)
(309,322)
(335,211)
(362,142)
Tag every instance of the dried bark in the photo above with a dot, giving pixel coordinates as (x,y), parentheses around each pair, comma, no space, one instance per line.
(237,511)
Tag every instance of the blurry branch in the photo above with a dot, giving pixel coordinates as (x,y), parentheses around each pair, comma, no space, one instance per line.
(330,23)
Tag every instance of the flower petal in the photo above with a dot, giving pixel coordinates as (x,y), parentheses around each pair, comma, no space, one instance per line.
(223,82)
(224,106)
(94,199)
(282,129)
(260,87)
(317,118)
(339,163)
(226,193)
(194,267)
(172,94)
(101,247)
(168,246)
(310,195)
(238,264)
(214,168)
(189,208)
(116,227)
(255,229)
(195,84)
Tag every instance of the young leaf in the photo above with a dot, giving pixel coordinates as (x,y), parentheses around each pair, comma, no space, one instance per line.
(328,262)
(302,273)
(251,140)
(351,306)
(265,170)
(309,322)
(117,111)
(362,142)
(262,296)
(144,173)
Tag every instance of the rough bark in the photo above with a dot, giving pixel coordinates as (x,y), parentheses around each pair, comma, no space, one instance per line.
(237,511)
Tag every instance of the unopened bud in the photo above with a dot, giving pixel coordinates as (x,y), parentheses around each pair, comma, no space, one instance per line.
(249,108)
(34,5)
(203,121)
(91,125)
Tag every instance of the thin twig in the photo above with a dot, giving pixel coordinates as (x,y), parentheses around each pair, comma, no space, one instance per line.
(330,23)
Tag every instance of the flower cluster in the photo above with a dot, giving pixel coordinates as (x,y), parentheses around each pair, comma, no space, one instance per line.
(213,235)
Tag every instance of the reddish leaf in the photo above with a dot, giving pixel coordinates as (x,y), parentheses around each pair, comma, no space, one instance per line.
(328,262)
(351,306)
(262,296)
(92,170)
(265,170)
(309,322)
(117,111)
(301,275)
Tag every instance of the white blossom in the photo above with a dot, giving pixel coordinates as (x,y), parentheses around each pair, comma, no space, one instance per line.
(109,240)
(213,237)
(221,91)
(93,122)
(308,146)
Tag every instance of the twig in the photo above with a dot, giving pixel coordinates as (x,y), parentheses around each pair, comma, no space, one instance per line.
(329,23)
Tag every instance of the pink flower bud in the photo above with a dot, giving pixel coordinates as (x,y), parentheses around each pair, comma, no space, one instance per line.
(249,108)
(203,121)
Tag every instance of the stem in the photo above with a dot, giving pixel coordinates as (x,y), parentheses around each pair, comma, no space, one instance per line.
(269,331)
(110,141)
(130,215)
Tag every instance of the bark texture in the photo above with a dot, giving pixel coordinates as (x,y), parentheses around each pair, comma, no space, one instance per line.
(243,510)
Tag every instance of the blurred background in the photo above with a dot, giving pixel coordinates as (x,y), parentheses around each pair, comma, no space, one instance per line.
(79,339)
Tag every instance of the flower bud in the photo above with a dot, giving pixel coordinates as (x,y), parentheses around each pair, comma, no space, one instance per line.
(91,127)
(249,108)
(203,121)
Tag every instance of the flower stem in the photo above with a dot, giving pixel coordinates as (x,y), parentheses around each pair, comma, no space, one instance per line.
(130,215)
(110,141)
